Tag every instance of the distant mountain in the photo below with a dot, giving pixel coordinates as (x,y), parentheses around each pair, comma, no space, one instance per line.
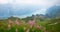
(53,12)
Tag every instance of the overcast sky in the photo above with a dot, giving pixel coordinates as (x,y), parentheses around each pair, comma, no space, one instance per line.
(40,6)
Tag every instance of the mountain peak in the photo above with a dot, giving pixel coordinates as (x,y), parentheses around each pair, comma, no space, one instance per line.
(53,11)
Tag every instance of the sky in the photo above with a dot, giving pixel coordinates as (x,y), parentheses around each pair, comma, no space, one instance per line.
(23,8)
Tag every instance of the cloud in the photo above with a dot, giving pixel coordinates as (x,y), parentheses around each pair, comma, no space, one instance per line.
(32,2)
(39,11)
(43,3)
(26,7)
(3,1)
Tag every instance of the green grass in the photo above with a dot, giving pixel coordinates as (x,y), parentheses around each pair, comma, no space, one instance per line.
(44,24)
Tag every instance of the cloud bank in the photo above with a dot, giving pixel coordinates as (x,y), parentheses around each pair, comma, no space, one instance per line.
(25,8)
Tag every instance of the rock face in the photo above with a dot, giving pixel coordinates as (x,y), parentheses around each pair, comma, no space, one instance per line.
(53,12)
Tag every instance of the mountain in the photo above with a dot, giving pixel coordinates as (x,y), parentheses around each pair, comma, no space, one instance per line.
(53,12)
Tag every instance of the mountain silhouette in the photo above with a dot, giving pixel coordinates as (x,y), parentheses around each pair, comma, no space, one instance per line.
(53,12)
